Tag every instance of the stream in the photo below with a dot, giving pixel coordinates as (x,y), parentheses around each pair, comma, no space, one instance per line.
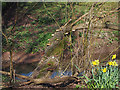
(27,68)
(55,73)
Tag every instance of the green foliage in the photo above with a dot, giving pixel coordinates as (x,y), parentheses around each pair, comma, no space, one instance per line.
(116,33)
(110,40)
(77,86)
(103,77)
(108,79)
(40,42)
(25,37)
(116,39)
(42,23)
(45,20)
(32,42)
(5,78)
(80,34)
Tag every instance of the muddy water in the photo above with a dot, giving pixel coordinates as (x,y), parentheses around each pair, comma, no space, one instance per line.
(23,67)
(22,62)
(26,70)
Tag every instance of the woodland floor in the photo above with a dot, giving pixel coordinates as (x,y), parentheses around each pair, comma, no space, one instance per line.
(21,58)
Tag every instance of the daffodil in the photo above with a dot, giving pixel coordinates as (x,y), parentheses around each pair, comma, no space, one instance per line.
(93,62)
(114,56)
(114,63)
(104,70)
(110,63)
(96,62)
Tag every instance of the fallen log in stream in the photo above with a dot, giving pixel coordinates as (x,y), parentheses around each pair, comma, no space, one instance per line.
(43,80)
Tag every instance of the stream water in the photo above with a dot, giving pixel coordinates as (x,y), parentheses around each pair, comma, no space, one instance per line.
(55,73)
(27,68)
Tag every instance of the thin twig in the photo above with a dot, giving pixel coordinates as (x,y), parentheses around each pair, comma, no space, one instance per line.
(51,16)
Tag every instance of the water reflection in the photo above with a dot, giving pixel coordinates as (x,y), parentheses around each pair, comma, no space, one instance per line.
(24,74)
(55,73)
(27,74)
(61,73)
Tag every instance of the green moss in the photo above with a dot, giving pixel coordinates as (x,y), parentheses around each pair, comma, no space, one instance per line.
(51,62)
(45,67)
(56,50)
(43,71)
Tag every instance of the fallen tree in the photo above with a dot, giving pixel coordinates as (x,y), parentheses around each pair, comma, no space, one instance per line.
(43,80)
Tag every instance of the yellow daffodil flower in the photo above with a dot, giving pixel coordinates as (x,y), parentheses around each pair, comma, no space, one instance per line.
(110,63)
(104,70)
(114,63)
(96,62)
(93,62)
(114,56)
